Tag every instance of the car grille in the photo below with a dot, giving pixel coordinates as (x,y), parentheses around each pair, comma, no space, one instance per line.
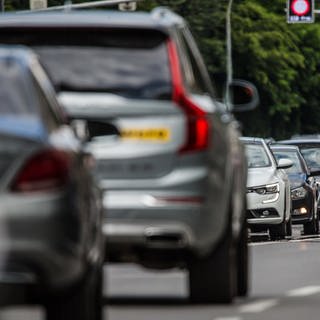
(262,213)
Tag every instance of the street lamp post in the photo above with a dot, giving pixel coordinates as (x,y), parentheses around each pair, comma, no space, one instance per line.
(229,43)
(229,49)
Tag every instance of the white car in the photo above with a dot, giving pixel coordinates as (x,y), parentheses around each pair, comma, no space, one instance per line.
(268,190)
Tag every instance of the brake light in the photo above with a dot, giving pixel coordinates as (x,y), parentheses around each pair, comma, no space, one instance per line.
(197,122)
(46,170)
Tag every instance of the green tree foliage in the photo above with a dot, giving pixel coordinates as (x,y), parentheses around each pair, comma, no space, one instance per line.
(13,5)
(281,59)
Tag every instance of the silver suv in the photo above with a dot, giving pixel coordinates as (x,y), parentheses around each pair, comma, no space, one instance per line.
(168,156)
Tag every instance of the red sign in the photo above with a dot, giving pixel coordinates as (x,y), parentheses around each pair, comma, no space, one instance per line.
(300,7)
(300,11)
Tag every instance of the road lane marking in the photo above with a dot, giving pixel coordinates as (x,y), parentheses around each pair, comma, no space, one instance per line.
(259,306)
(304,291)
(302,240)
(228,318)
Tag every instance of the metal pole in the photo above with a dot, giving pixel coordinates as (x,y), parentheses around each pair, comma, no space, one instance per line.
(229,43)
(229,48)
(2,5)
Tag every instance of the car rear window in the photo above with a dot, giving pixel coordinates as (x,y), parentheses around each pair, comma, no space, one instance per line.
(129,63)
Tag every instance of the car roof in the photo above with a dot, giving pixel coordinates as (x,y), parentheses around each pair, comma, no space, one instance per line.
(300,141)
(159,18)
(252,139)
(284,147)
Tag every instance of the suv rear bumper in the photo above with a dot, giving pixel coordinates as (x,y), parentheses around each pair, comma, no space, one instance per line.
(137,221)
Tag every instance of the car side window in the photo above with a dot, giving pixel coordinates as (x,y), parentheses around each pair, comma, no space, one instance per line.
(192,74)
(47,112)
(196,78)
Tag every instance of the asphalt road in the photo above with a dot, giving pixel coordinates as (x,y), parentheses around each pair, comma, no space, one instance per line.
(285,284)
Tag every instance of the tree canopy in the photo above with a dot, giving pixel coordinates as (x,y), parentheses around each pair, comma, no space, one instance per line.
(281,59)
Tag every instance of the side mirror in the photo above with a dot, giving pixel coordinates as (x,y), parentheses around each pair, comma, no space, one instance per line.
(80,129)
(284,163)
(242,96)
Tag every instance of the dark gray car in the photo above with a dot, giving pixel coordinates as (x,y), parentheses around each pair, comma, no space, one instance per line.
(51,244)
(168,156)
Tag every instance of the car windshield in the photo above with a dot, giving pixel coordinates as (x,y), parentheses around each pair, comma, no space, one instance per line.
(293,156)
(257,156)
(312,156)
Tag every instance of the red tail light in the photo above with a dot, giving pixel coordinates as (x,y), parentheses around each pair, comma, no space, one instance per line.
(197,123)
(46,170)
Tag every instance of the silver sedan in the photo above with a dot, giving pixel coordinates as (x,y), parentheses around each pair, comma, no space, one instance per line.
(268,190)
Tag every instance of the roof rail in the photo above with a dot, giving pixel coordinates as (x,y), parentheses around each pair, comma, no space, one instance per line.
(84,5)
(165,12)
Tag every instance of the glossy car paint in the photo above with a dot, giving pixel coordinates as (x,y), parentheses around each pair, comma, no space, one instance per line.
(51,230)
(300,178)
(262,176)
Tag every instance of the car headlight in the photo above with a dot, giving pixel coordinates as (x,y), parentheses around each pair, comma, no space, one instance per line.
(268,189)
(298,193)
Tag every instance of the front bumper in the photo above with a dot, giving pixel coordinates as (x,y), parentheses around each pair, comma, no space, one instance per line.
(267,209)
(302,209)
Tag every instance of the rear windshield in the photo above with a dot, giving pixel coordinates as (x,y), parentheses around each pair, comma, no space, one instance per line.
(133,64)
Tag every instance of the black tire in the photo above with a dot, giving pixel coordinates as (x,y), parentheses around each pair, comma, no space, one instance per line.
(311,227)
(83,303)
(278,232)
(289,228)
(213,279)
(243,263)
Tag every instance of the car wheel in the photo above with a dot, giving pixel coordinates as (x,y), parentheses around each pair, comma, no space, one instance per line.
(84,303)
(289,228)
(213,279)
(311,227)
(243,263)
(278,232)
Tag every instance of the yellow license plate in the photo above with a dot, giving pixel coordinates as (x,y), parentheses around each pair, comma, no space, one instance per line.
(159,134)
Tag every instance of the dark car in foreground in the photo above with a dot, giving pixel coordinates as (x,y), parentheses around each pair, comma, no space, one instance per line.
(303,188)
(51,244)
(168,156)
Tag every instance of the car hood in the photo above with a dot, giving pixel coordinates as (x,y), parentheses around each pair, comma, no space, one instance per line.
(261,176)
